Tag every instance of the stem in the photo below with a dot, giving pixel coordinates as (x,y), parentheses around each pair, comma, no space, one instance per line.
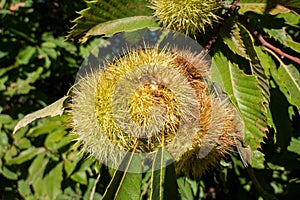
(275,49)
(229,10)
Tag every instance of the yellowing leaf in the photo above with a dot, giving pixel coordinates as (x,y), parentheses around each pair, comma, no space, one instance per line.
(52,110)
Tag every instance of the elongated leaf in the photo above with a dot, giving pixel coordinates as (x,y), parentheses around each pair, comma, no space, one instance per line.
(287,77)
(284,38)
(231,36)
(163,180)
(37,168)
(124,184)
(101,11)
(26,155)
(52,181)
(52,110)
(185,189)
(257,69)
(125,24)
(261,6)
(244,92)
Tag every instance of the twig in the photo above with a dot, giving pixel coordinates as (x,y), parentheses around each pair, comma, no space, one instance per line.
(275,49)
(230,9)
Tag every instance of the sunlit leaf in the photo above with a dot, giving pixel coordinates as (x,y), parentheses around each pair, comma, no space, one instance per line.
(119,25)
(24,190)
(287,77)
(9,174)
(52,181)
(52,110)
(37,168)
(231,35)
(80,177)
(26,155)
(256,68)
(244,92)
(98,12)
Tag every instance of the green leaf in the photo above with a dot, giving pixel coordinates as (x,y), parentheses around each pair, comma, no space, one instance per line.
(291,18)
(57,139)
(256,68)
(36,169)
(70,162)
(293,45)
(24,190)
(52,110)
(23,86)
(23,143)
(98,12)
(119,25)
(124,184)
(287,77)
(185,190)
(9,174)
(163,180)
(80,177)
(294,146)
(244,92)
(231,35)
(26,155)
(284,38)
(47,125)
(52,181)
(25,55)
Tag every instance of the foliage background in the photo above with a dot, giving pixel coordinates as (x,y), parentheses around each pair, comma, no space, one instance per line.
(37,67)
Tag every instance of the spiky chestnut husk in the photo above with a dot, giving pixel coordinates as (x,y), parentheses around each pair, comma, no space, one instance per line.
(186,16)
(158,91)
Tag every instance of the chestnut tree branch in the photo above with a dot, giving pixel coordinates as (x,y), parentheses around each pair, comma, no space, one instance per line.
(273,48)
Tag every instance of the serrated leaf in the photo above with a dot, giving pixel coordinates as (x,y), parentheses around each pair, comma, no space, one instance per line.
(101,11)
(119,25)
(287,77)
(244,92)
(124,184)
(231,36)
(284,38)
(52,110)
(290,79)
(163,180)
(256,68)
